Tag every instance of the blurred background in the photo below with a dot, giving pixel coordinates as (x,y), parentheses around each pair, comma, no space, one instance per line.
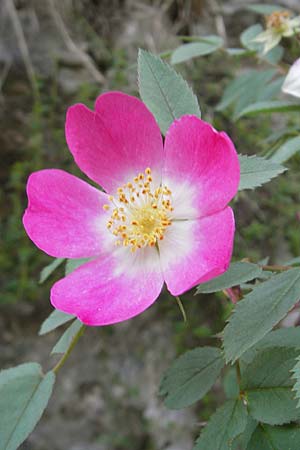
(54,53)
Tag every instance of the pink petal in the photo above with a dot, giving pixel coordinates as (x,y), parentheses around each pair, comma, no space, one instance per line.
(102,293)
(64,214)
(118,141)
(194,251)
(205,161)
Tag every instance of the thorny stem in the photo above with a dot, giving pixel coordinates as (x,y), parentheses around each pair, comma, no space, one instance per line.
(277,268)
(181,307)
(66,355)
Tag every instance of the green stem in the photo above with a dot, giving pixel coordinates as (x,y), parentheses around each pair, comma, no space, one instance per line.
(181,307)
(238,372)
(66,355)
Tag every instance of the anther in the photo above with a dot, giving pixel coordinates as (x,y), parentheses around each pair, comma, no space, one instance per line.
(144,221)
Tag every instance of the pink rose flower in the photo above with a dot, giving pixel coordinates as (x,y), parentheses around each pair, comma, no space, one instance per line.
(163,218)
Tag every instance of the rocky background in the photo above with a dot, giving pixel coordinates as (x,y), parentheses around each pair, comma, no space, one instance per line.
(106,397)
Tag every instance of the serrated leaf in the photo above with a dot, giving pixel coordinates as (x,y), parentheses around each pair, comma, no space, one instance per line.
(64,342)
(287,150)
(207,45)
(266,437)
(225,424)
(256,171)
(55,320)
(283,337)
(191,376)
(48,270)
(24,394)
(164,91)
(268,386)
(239,272)
(259,311)
(271,106)
(261,8)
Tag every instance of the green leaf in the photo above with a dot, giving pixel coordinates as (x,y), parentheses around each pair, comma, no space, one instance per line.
(258,88)
(287,150)
(239,272)
(274,55)
(230,384)
(247,37)
(24,394)
(249,88)
(191,376)
(283,337)
(225,424)
(268,384)
(55,320)
(242,440)
(164,91)
(259,311)
(207,45)
(266,437)
(64,342)
(260,8)
(256,171)
(73,264)
(269,107)
(293,261)
(272,89)
(234,90)
(286,132)
(48,270)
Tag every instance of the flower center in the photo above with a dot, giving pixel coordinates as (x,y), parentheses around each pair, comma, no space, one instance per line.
(140,213)
(278,20)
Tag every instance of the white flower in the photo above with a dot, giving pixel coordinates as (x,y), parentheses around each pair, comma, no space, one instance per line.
(291,84)
(279,24)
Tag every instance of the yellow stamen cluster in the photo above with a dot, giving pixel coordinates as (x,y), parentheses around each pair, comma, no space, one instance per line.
(277,19)
(140,213)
